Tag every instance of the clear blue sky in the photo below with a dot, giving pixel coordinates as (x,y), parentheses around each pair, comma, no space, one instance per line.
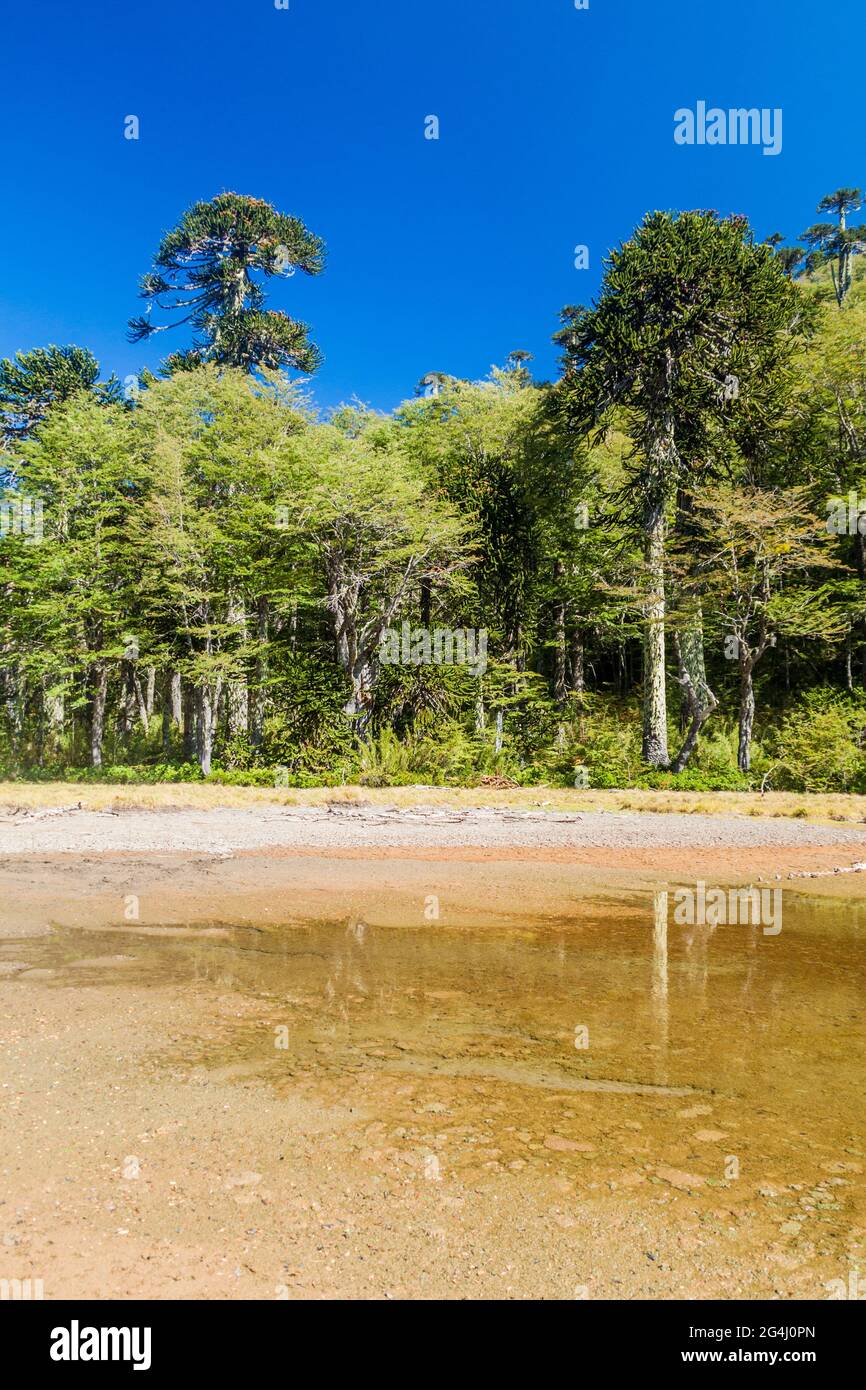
(556,129)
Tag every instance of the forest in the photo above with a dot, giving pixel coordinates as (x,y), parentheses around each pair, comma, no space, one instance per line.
(648,572)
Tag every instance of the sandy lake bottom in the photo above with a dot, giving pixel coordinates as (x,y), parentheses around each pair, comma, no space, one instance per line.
(596,1104)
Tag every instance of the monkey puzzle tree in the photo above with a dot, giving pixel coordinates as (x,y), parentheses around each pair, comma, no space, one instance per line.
(836,244)
(690,338)
(205,269)
(34,381)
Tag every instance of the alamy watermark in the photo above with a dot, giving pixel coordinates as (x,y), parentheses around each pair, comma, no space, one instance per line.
(21,516)
(846,516)
(21,1290)
(737,126)
(444,646)
(747,907)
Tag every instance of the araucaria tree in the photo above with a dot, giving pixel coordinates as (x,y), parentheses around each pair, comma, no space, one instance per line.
(689,339)
(836,243)
(36,380)
(207,273)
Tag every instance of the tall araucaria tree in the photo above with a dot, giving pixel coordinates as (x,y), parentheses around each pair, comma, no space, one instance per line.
(690,340)
(207,273)
(836,243)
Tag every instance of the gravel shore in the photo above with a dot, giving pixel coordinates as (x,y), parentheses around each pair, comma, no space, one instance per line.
(341,827)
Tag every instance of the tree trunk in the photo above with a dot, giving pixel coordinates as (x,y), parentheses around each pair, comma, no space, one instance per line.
(207,701)
(189,723)
(140,701)
(689,647)
(14,705)
(560,682)
(578,674)
(170,708)
(849,672)
(175,698)
(126,699)
(747,716)
(258,697)
(150,689)
(237,699)
(359,706)
(54,712)
(655,732)
(98,695)
(357,661)
(699,699)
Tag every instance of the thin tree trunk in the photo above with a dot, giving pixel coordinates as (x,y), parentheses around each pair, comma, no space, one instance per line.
(700,700)
(175,698)
(258,698)
(140,701)
(480,715)
(126,700)
(150,690)
(98,695)
(168,708)
(359,706)
(747,716)
(560,681)
(54,712)
(207,701)
(849,671)
(655,731)
(189,723)
(237,700)
(578,672)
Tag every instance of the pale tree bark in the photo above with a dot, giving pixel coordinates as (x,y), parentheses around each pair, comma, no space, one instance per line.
(149,689)
(699,699)
(54,707)
(237,699)
(189,723)
(175,698)
(258,696)
(140,700)
(560,679)
(748,660)
(98,695)
(172,713)
(655,727)
(578,672)
(480,713)
(354,656)
(13,695)
(747,715)
(126,702)
(207,699)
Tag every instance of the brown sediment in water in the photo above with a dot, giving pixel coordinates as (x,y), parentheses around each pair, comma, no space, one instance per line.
(366,1074)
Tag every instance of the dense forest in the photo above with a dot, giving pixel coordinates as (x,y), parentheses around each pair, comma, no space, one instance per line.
(651,571)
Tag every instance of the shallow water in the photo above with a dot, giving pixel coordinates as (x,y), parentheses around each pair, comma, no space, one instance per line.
(628,1019)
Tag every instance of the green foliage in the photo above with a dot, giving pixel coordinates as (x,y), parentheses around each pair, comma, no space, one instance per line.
(820,745)
(218,549)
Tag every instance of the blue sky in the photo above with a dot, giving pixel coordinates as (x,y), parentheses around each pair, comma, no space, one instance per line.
(556,129)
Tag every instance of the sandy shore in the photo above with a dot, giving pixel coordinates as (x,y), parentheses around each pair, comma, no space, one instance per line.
(190,867)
